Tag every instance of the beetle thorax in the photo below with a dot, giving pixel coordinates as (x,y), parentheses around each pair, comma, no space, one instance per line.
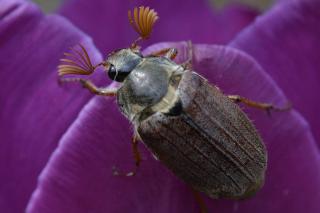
(145,88)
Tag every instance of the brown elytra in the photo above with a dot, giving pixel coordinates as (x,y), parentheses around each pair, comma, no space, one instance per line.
(211,145)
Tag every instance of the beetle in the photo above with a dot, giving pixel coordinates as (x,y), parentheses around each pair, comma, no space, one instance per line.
(199,133)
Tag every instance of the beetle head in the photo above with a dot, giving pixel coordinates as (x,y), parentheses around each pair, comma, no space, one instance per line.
(121,62)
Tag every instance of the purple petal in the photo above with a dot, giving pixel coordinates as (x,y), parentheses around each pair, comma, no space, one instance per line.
(106,21)
(285,41)
(35,111)
(78,177)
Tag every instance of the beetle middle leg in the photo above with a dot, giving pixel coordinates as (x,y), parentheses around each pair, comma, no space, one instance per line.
(200,201)
(264,106)
(136,155)
(187,65)
(91,86)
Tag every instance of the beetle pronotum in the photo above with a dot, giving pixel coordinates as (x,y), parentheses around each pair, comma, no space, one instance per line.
(199,133)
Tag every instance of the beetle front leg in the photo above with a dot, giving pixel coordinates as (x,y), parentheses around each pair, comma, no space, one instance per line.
(264,106)
(136,155)
(169,53)
(91,87)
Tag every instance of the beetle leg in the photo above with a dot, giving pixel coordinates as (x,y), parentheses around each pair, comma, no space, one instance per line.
(169,53)
(264,106)
(187,65)
(137,158)
(91,87)
(136,155)
(200,201)
(172,53)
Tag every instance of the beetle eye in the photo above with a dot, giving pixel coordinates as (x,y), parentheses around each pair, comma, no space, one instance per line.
(117,75)
(112,72)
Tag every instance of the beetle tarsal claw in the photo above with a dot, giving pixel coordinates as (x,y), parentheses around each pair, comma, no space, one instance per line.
(116,172)
(142,21)
(130,174)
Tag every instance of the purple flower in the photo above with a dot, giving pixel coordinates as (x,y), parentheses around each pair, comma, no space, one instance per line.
(58,144)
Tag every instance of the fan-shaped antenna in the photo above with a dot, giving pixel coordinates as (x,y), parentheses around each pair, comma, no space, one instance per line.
(142,22)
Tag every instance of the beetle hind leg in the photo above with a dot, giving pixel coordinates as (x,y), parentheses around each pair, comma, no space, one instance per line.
(137,158)
(264,106)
